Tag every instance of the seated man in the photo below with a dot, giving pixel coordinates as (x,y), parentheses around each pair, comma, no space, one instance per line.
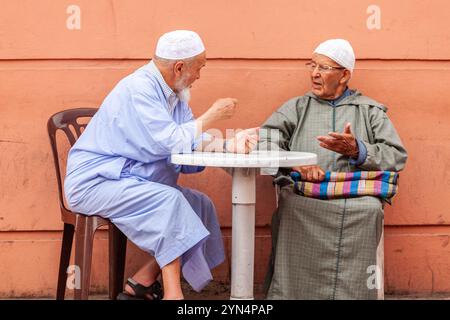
(120,168)
(322,248)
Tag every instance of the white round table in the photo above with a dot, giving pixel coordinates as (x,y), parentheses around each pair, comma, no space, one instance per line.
(243,200)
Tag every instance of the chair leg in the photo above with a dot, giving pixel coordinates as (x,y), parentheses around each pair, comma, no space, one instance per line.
(380,266)
(117,254)
(84,242)
(64,260)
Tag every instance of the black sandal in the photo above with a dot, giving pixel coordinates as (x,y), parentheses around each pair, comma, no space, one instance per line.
(141,292)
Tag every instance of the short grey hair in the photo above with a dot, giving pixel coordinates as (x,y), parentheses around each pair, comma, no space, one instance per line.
(169,62)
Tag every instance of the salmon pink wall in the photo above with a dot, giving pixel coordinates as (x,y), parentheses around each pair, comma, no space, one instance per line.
(256,52)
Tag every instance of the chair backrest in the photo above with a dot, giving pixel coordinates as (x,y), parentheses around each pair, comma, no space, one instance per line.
(67,121)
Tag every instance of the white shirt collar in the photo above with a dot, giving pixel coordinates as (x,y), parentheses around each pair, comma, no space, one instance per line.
(169,94)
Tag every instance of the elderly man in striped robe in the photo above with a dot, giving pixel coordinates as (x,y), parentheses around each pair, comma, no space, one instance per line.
(326,248)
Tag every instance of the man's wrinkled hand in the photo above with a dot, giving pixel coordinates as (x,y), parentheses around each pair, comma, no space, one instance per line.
(310,173)
(244,141)
(222,109)
(343,143)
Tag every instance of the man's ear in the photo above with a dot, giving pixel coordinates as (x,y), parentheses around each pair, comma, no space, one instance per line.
(346,77)
(178,67)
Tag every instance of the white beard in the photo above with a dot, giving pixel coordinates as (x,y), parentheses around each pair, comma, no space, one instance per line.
(184,95)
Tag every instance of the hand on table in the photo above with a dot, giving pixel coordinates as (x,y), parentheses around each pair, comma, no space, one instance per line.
(244,141)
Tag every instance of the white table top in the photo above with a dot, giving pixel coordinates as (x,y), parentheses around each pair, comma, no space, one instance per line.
(256,159)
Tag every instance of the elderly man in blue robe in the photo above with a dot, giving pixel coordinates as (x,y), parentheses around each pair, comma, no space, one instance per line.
(120,168)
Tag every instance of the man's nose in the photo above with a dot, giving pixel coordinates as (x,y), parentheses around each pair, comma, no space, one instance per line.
(316,73)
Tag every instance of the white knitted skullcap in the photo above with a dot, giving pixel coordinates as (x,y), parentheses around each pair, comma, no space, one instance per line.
(179,44)
(340,51)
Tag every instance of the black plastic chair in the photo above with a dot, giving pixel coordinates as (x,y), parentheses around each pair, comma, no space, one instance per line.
(83,226)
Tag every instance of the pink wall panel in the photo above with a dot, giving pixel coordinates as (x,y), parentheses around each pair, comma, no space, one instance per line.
(31,92)
(231,29)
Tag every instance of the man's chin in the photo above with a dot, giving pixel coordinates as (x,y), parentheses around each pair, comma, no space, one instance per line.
(316,92)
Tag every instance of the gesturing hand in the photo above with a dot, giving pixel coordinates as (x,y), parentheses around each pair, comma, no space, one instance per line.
(343,143)
(222,109)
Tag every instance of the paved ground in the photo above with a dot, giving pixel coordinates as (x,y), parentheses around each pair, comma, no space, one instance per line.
(221,291)
(216,291)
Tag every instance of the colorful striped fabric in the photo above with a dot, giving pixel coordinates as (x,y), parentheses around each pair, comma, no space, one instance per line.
(381,184)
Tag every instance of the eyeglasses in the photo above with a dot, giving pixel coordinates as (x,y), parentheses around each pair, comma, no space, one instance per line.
(311,66)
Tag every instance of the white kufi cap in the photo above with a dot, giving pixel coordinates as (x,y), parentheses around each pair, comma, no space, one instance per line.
(340,51)
(179,44)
